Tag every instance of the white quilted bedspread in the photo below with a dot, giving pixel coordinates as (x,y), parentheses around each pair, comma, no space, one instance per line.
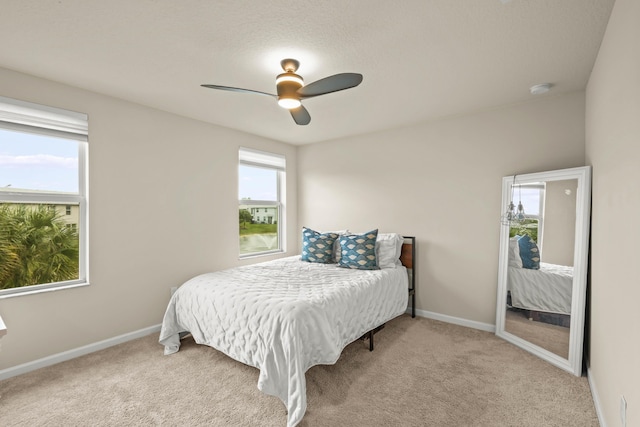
(547,289)
(283,317)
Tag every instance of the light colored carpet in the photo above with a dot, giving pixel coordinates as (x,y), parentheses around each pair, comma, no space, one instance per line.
(550,337)
(422,373)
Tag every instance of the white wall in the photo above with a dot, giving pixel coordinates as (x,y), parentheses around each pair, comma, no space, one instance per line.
(559,225)
(613,148)
(163,207)
(441,182)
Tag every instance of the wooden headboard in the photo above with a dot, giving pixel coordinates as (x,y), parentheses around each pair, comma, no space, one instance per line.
(406,256)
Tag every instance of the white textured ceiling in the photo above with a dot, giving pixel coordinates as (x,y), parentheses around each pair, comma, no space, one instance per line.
(421,59)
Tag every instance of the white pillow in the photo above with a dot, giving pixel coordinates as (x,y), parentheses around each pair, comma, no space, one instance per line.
(388,249)
(514,253)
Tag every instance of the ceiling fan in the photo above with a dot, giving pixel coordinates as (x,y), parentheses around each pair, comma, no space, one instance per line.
(291,89)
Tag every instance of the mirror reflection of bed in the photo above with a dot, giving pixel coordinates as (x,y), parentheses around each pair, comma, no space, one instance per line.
(540,268)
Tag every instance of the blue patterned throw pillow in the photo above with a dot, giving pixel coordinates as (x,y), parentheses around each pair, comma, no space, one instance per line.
(359,251)
(317,247)
(529,253)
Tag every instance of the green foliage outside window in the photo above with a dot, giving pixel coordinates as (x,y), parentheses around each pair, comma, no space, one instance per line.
(36,246)
(529,227)
(245,217)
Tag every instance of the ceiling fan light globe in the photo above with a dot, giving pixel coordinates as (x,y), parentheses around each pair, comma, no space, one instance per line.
(289,103)
(290,77)
(288,84)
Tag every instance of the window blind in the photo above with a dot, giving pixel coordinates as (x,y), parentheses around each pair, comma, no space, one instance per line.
(35,118)
(261,158)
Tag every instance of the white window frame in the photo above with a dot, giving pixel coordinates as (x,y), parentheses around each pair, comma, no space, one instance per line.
(270,161)
(21,116)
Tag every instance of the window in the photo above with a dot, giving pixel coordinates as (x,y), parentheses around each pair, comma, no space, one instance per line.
(532,198)
(43,198)
(261,202)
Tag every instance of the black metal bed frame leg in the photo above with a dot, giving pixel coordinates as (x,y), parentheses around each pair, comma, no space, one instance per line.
(369,335)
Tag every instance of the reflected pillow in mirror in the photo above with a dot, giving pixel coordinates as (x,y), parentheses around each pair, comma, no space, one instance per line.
(514,252)
(529,253)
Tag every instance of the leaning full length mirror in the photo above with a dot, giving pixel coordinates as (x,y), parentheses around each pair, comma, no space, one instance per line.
(542,269)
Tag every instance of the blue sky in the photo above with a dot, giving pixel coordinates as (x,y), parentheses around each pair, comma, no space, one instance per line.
(530,200)
(257,183)
(38,162)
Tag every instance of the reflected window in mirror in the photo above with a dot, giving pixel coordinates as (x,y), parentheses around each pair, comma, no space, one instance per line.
(532,199)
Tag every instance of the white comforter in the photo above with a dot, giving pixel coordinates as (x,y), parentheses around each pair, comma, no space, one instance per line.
(283,317)
(547,289)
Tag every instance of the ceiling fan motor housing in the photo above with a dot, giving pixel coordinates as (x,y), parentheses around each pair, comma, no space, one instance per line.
(287,85)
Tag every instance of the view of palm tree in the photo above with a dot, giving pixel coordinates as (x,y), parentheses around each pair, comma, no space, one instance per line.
(36,246)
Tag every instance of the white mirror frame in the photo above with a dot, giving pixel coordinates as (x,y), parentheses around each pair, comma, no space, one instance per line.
(580,264)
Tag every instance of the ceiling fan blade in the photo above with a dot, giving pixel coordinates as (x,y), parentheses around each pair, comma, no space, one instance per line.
(300,115)
(237,89)
(330,84)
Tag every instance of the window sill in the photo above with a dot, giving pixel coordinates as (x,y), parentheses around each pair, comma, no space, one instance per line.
(261,254)
(42,290)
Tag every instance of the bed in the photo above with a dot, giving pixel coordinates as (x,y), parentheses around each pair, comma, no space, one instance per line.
(542,290)
(547,289)
(287,315)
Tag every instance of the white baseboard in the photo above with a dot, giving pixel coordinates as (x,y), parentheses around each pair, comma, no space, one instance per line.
(455,320)
(596,398)
(76,352)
